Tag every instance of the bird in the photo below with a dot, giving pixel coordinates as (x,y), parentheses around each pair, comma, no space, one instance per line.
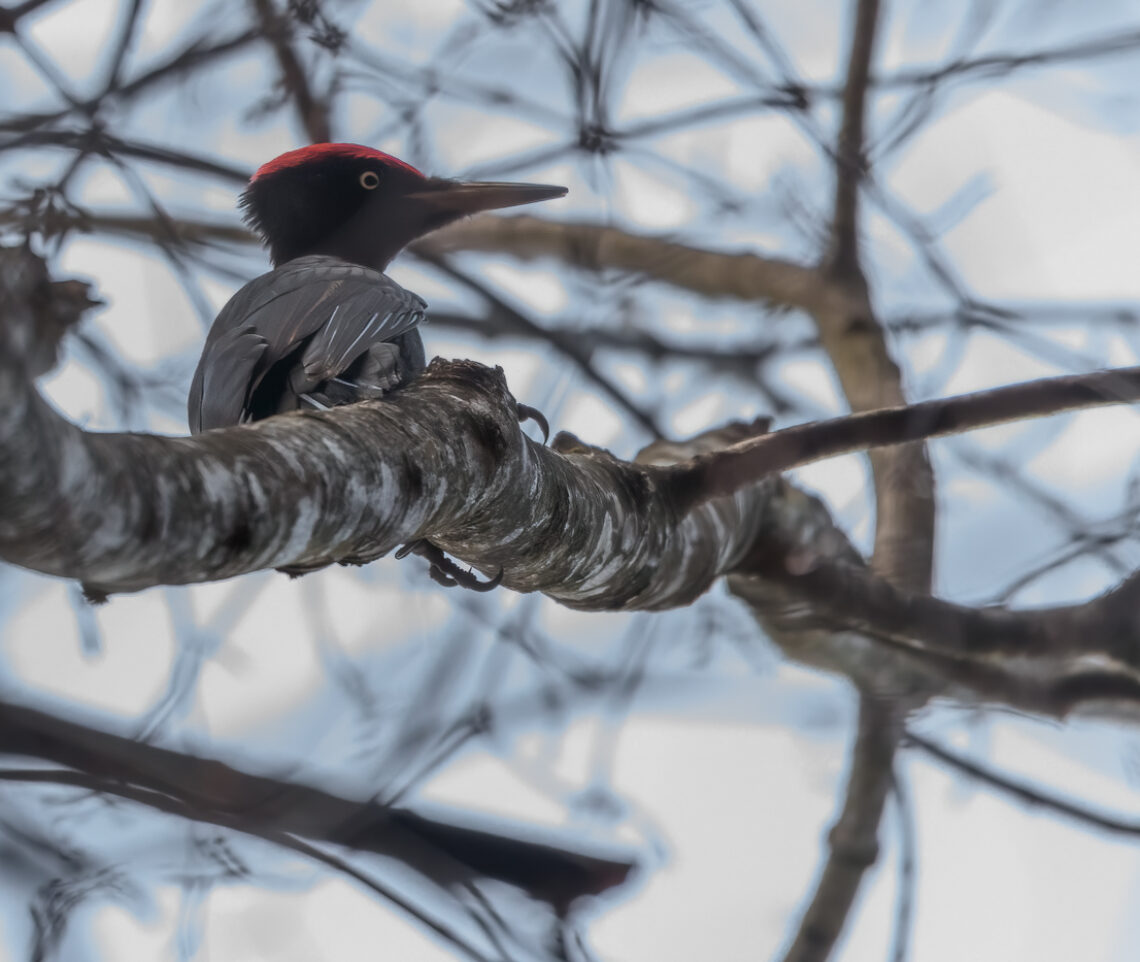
(326,326)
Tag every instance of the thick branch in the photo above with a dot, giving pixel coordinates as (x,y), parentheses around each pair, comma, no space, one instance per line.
(123,512)
(442,459)
(1048,660)
(209,790)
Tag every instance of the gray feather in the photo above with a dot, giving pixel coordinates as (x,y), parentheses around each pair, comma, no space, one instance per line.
(293,330)
(221,384)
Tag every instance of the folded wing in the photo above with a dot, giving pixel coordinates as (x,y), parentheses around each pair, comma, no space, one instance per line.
(316,329)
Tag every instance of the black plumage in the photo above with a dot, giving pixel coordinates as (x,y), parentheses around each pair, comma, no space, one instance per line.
(327,326)
(317,331)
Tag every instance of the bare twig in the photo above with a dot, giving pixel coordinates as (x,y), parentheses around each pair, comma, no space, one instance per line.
(853,841)
(724,471)
(1023,791)
(312,112)
(205,789)
(908,855)
(843,255)
(904,501)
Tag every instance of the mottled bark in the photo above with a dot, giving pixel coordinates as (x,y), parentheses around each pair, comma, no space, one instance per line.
(445,459)
(442,459)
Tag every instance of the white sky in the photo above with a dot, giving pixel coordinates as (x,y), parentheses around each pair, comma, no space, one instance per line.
(737,787)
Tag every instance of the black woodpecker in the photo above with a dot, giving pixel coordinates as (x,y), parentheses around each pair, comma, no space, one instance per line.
(326,326)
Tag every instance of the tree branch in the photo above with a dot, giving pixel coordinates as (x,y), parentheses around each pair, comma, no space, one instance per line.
(852,843)
(727,469)
(904,508)
(313,114)
(1031,795)
(445,852)
(593,247)
(743,276)
(1045,660)
(442,459)
(843,255)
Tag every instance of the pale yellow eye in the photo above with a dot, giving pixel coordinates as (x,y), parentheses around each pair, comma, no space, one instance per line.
(370,180)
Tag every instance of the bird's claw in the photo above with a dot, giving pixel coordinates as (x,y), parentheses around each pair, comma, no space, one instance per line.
(446,572)
(527,413)
(450,575)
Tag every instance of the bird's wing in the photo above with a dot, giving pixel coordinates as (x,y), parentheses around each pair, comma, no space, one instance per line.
(221,384)
(331,309)
(364,318)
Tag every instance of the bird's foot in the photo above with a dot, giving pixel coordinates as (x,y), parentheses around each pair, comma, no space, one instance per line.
(527,413)
(446,572)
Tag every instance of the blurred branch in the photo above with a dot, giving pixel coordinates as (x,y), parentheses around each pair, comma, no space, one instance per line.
(1048,660)
(904,505)
(194,56)
(852,842)
(573,347)
(740,361)
(997,65)
(742,276)
(127,34)
(592,247)
(100,142)
(908,856)
(10,16)
(311,110)
(1031,795)
(855,343)
(843,256)
(447,853)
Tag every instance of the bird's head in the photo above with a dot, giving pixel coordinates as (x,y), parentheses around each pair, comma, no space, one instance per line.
(361,204)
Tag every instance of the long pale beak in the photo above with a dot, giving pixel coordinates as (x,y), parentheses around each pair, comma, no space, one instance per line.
(460,198)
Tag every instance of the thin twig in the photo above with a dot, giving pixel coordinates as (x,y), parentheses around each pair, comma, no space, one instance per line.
(311,111)
(853,845)
(843,256)
(1024,791)
(725,471)
(908,855)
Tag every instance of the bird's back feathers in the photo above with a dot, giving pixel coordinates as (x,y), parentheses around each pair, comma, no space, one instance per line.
(316,326)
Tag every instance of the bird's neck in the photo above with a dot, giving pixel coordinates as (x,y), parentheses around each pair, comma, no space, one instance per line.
(370,238)
(378,260)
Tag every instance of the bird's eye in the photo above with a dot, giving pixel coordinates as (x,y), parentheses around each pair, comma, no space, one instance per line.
(370,180)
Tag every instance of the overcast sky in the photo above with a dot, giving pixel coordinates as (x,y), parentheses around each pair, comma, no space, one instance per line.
(727,776)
